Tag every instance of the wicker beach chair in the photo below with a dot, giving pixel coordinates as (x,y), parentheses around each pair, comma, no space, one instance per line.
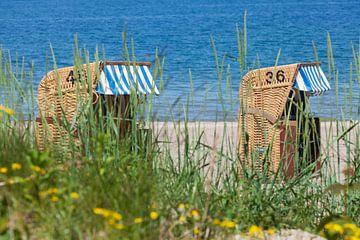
(63,93)
(264,136)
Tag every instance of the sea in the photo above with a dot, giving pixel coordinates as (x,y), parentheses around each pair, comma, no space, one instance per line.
(184,33)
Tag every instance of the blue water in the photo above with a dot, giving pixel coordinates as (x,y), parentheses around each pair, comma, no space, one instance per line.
(181,31)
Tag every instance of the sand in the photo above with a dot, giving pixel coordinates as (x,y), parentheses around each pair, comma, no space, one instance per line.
(215,137)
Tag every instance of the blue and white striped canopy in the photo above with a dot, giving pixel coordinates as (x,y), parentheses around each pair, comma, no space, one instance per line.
(123,80)
(311,79)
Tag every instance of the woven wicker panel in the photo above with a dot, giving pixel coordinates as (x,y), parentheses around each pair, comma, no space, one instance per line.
(266,90)
(50,134)
(60,94)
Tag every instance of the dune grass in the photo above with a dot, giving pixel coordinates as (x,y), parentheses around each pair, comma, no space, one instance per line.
(112,186)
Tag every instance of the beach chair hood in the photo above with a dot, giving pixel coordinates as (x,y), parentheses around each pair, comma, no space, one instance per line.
(123,78)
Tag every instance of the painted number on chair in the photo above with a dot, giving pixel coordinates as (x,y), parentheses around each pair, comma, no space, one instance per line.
(280,76)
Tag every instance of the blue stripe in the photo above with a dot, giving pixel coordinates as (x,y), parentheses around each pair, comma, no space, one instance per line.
(313,88)
(138,80)
(296,85)
(306,80)
(99,88)
(147,79)
(322,80)
(124,78)
(316,80)
(111,82)
(131,79)
(117,79)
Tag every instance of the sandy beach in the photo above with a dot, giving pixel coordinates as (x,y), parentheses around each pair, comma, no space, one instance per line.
(216,137)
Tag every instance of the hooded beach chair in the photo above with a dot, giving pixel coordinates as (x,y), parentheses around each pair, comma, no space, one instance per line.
(272,116)
(63,93)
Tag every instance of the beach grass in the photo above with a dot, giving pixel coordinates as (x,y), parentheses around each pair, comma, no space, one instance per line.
(167,182)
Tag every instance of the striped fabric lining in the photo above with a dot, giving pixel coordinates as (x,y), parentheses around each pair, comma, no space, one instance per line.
(123,80)
(312,80)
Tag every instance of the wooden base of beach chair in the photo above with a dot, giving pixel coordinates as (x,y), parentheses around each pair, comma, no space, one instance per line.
(289,148)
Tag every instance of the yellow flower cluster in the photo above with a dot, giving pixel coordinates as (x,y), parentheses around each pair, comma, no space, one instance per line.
(226,223)
(6,110)
(112,218)
(51,192)
(256,231)
(14,167)
(38,169)
(346,231)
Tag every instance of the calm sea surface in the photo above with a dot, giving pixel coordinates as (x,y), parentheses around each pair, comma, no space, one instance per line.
(181,31)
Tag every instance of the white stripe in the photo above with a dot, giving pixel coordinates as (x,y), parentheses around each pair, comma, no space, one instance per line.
(316,80)
(322,80)
(300,82)
(117,90)
(136,80)
(327,84)
(143,80)
(133,88)
(314,85)
(118,73)
(148,74)
(105,84)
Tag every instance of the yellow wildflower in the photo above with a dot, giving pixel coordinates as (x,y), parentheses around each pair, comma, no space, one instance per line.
(256,231)
(97,211)
(102,211)
(351,238)
(334,228)
(182,219)
(119,226)
(181,207)
(154,215)
(74,195)
(42,194)
(15,166)
(111,221)
(357,232)
(216,221)
(228,224)
(52,190)
(54,199)
(271,231)
(195,214)
(350,226)
(116,216)
(196,231)
(38,169)
(138,220)
(3,170)
(7,110)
